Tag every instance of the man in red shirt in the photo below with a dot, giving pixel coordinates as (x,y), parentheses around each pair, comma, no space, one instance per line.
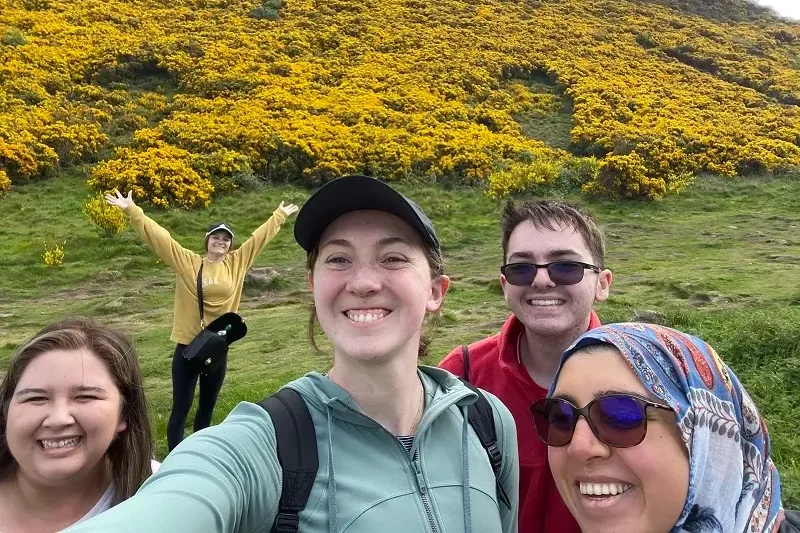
(553,273)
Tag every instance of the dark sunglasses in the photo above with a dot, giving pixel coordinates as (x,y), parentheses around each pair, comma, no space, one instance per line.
(617,420)
(560,272)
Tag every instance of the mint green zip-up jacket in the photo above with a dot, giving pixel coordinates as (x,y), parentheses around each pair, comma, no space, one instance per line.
(227,479)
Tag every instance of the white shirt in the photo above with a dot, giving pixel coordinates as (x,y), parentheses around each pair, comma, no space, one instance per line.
(104,503)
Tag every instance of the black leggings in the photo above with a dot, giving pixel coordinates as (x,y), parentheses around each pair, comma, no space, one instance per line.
(184,380)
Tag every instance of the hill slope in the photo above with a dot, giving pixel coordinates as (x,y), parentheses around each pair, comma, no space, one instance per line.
(719,261)
(208,93)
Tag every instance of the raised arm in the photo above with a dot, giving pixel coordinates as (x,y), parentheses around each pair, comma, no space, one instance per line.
(224,479)
(248,251)
(157,238)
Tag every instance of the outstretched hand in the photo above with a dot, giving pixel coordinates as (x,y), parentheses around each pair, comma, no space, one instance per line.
(120,201)
(288,209)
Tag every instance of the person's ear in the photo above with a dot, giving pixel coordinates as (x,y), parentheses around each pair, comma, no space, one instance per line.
(439,289)
(503,285)
(603,285)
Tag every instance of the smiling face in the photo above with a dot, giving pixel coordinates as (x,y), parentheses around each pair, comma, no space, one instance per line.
(219,242)
(63,416)
(546,309)
(373,287)
(650,479)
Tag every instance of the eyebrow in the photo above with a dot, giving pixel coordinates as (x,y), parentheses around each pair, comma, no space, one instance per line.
(565,396)
(31,391)
(599,394)
(81,388)
(382,242)
(553,254)
(611,392)
(89,389)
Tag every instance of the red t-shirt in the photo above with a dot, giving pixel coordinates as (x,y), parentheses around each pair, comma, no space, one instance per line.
(495,367)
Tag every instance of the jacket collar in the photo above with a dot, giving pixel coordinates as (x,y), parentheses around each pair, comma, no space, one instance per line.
(442,390)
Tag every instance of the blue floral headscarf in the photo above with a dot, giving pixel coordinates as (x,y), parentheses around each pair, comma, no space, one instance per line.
(733,484)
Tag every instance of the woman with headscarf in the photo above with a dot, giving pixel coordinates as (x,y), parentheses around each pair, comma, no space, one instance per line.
(648,430)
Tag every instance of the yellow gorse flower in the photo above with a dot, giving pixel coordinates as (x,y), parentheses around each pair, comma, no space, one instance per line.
(194,94)
(54,256)
(106,217)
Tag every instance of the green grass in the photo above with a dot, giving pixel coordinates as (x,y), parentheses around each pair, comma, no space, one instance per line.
(722,260)
(554,127)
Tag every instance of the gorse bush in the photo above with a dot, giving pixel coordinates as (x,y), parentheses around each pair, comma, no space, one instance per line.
(577,172)
(162,175)
(53,256)
(522,177)
(5,183)
(108,218)
(398,89)
(226,170)
(620,176)
(27,159)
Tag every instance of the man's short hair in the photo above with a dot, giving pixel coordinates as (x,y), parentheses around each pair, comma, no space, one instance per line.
(552,215)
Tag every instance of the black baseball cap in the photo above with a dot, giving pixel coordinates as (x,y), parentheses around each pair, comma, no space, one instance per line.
(356,193)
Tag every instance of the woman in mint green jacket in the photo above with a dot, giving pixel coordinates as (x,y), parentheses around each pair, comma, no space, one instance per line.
(394,445)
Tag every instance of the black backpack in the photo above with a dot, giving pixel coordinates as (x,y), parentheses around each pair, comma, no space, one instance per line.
(297,450)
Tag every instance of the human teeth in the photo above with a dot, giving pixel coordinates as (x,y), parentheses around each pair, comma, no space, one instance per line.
(366,316)
(63,443)
(545,302)
(603,489)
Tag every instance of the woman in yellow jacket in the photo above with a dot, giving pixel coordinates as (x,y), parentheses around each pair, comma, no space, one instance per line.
(223,278)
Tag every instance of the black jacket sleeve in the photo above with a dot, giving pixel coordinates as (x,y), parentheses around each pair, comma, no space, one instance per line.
(792,523)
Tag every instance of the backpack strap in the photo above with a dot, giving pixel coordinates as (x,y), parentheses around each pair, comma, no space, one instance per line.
(465,359)
(299,459)
(481,417)
(200,295)
(297,454)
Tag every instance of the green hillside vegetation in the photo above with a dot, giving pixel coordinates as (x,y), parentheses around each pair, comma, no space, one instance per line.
(219,109)
(721,261)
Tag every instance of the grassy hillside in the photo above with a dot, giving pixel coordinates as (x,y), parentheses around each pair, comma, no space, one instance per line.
(191,98)
(721,260)
(235,105)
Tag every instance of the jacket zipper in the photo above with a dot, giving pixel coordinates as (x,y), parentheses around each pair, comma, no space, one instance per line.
(423,489)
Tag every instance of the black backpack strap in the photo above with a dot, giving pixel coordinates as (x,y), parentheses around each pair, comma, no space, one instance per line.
(481,417)
(200,294)
(465,358)
(297,454)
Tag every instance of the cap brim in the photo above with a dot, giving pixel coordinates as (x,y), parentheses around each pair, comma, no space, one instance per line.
(353,193)
(224,228)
